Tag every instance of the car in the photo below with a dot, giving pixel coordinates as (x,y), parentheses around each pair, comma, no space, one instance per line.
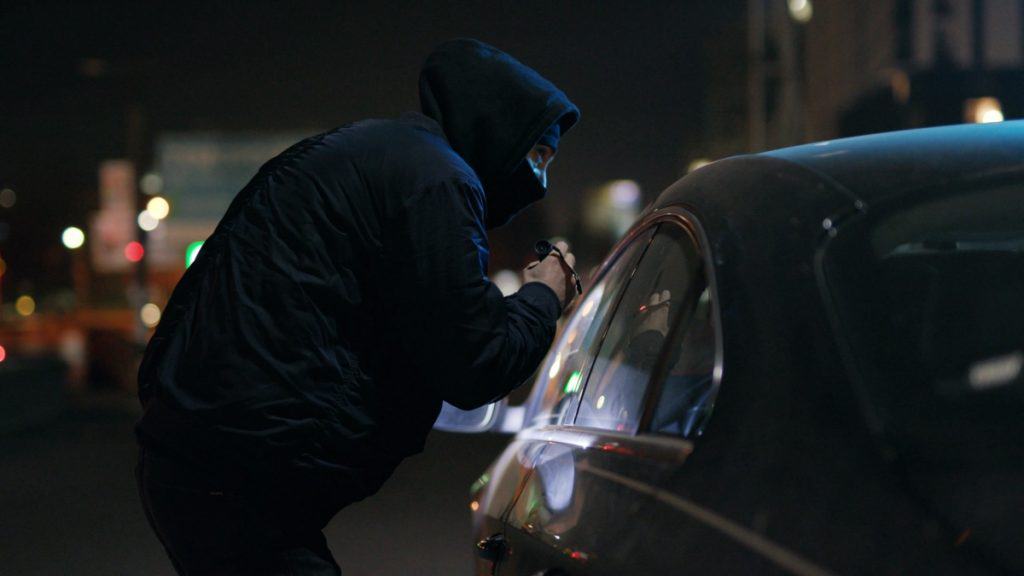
(804,361)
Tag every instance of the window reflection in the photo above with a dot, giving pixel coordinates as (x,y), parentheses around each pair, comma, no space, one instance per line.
(565,370)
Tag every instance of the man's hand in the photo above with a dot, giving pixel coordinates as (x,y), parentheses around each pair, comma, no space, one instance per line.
(555,274)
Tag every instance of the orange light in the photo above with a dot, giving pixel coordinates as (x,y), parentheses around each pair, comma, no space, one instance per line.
(134,251)
(3,354)
(474,505)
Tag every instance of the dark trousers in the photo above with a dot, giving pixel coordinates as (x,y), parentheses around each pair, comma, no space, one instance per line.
(209,529)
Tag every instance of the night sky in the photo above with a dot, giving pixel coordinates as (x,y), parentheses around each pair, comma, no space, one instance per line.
(75,75)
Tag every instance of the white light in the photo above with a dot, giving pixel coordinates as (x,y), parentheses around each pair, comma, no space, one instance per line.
(600,401)
(983,110)
(555,366)
(150,314)
(73,237)
(989,116)
(625,193)
(801,10)
(995,372)
(158,207)
(697,164)
(147,221)
(507,281)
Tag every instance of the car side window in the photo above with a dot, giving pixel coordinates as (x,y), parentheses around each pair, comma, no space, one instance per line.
(561,377)
(689,390)
(664,291)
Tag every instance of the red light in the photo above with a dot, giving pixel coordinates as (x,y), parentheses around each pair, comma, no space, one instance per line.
(134,251)
(3,354)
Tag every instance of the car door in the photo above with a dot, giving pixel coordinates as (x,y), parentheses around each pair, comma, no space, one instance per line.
(584,507)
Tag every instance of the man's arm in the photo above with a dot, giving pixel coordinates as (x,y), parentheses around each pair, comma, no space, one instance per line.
(470,342)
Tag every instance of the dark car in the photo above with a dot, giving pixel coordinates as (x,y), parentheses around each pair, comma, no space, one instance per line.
(807,361)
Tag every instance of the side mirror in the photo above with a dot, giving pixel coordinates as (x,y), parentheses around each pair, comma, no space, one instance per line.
(494,417)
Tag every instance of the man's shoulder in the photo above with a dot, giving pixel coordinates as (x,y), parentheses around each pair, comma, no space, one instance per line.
(414,145)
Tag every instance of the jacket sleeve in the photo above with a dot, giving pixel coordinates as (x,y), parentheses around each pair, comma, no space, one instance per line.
(467,340)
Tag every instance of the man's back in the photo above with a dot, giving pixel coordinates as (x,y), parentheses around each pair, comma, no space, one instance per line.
(277,349)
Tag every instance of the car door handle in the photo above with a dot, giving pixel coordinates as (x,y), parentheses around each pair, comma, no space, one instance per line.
(492,548)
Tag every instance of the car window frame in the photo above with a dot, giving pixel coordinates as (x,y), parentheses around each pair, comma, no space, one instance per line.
(688,220)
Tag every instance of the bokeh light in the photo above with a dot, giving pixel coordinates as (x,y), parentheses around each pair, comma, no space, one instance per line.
(147,221)
(25,305)
(134,251)
(73,237)
(7,198)
(150,314)
(158,207)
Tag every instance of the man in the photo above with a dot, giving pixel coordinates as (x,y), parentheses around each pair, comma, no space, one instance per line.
(341,298)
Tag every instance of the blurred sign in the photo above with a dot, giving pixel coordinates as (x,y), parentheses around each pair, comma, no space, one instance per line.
(113,227)
(201,172)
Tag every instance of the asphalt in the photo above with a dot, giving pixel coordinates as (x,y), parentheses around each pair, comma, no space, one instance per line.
(68,503)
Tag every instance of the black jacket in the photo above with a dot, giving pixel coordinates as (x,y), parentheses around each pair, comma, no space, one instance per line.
(344,294)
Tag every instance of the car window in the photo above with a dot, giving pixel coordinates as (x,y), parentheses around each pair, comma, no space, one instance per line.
(688,392)
(562,374)
(666,284)
(929,297)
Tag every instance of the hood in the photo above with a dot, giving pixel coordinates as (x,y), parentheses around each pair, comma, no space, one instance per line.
(493,109)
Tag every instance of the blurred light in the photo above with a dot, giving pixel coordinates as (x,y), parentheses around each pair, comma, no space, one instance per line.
(147,221)
(507,281)
(192,252)
(3,353)
(474,505)
(134,251)
(158,207)
(7,198)
(3,267)
(588,306)
(73,237)
(572,385)
(572,335)
(151,184)
(983,110)
(150,314)
(996,372)
(801,10)
(25,305)
(625,193)
(899,82)
(697,164)
(93,67)
(555,366)
(600,401)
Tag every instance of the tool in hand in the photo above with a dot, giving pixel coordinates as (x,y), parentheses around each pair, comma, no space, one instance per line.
(543,248)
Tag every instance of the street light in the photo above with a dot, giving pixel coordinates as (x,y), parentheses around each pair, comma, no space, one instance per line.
(73,237)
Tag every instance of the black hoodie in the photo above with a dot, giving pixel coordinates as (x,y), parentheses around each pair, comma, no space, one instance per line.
(344,294)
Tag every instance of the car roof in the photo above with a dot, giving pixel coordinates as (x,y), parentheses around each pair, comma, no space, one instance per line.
(880,166)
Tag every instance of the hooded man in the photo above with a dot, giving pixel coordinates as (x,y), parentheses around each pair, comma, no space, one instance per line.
(342,297)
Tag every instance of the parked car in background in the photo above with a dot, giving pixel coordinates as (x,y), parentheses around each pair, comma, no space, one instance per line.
(806,361)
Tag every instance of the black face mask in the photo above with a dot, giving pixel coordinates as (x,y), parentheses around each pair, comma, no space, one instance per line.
(508,197)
